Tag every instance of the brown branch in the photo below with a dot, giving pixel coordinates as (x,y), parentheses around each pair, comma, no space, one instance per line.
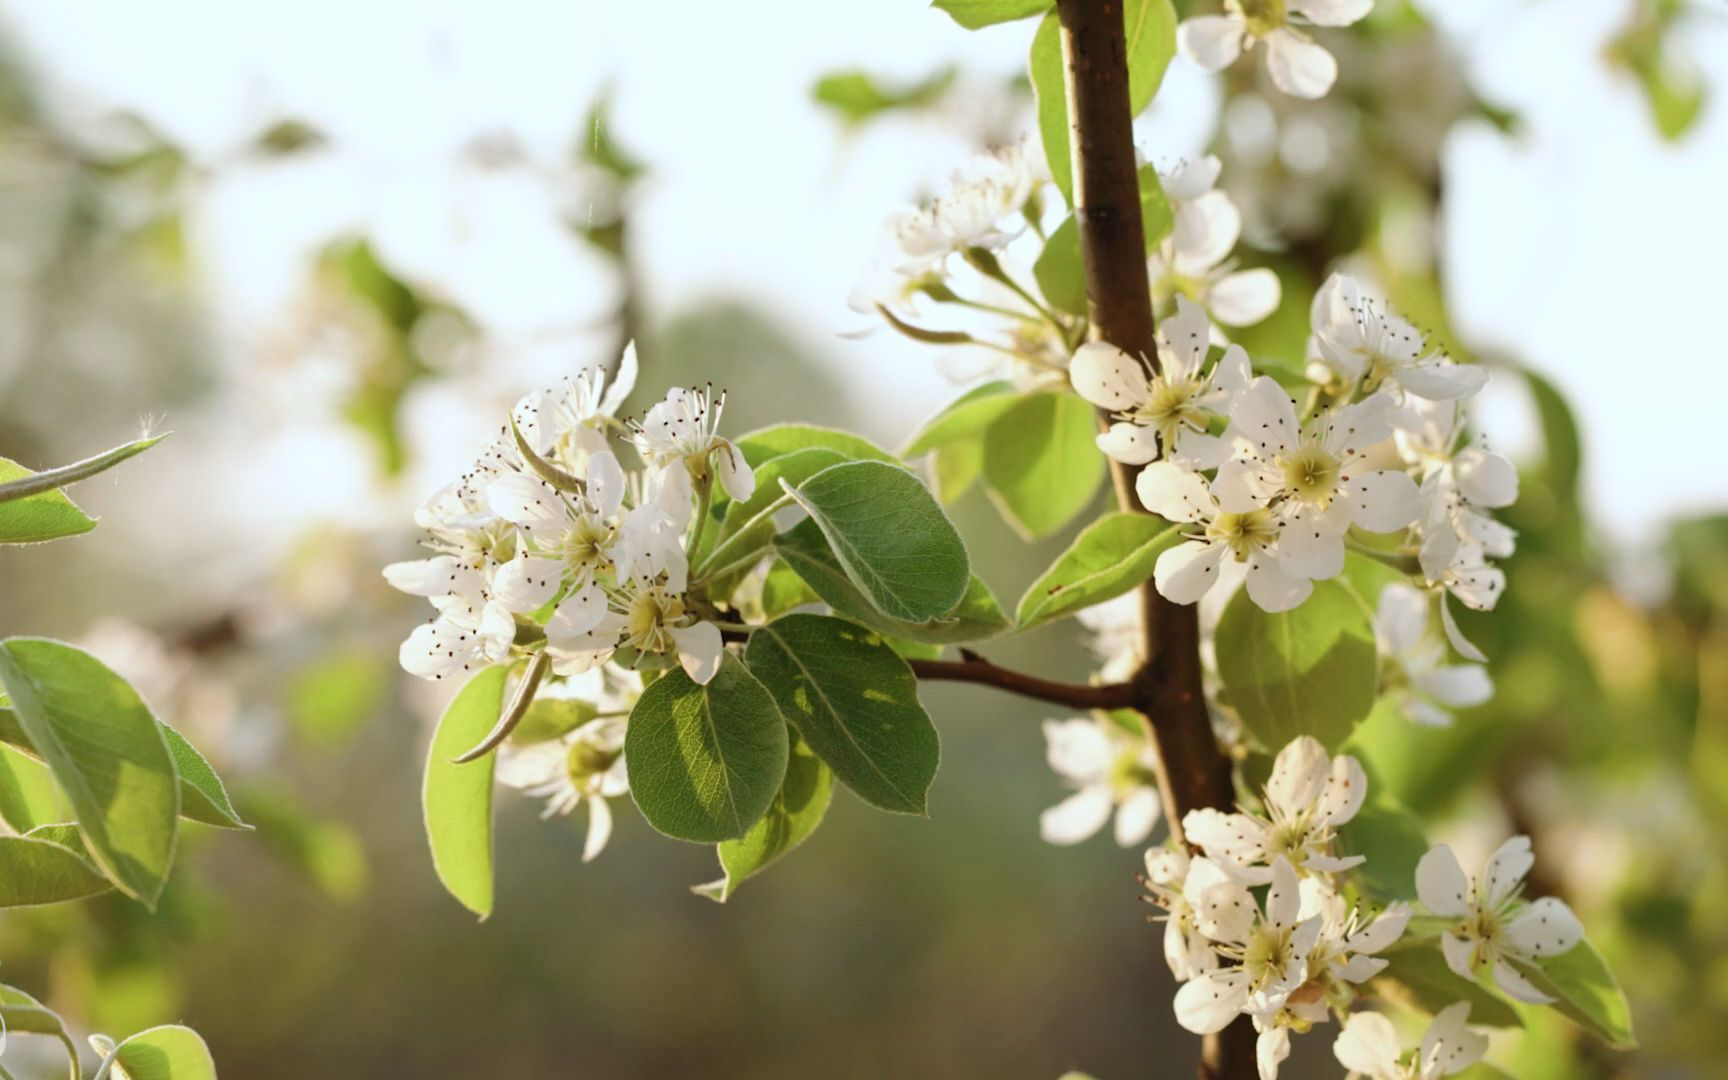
(1193,771)
(973,668)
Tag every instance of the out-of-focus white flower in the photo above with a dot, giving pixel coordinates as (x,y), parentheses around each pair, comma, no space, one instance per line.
(1297,65)
(1371,347)
(1192,261)
(1368,1046)
(1186,572)
(1111,771)
(1417,679)
(584,767)
(1162,411)
(1496,929)
(1307,798)
(1315,476)
(1173,877)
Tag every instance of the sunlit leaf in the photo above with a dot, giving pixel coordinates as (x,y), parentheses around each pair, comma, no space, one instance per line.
(457,799)
(797,809)
(977,14)
(1110,556)
(38,868)
(170,1052)
(1041,462)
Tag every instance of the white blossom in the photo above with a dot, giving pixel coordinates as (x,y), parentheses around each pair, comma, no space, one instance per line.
(1111,772)
(1371,346)
(568,537)
(1162,411)
(569,422)
(1186,572)
(1316,476)
(1368,1046)
(1307,798)
(1416,677)
(683,430)
(1192,261)
(1297,65)
(584,767)
(1263,951)
(1496,928)
(1174,882)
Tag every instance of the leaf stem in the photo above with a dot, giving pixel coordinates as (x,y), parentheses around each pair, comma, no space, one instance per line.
(51,479)
(704,571)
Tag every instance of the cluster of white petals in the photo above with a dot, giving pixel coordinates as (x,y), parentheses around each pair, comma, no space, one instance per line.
(596,563)
(1297,65)
(1299,953)
(1193,261)
(1111,772)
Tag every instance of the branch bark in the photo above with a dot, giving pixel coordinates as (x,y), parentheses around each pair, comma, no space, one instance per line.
(973,668)
(1194,772)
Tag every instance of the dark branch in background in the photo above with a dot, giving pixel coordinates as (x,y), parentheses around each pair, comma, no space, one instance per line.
(973,668)
(1194,772)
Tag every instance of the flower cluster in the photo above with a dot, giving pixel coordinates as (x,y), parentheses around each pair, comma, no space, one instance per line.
(1296,64)
(547,542)
(1273,493)
(1301,952)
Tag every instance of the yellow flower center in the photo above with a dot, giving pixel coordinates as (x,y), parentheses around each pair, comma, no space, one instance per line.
(652,614)
(1310,474)
(1262,16)
(586,761)
(1245,533)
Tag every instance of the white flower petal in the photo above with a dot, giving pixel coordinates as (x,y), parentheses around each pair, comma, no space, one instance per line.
(1441,380)
(1311,544)
(1346,788)
(1175,493)
(736,476)
(1186,572)
(1129,443)
(1449,1047)
(1459,954)
(440,576)
(605,483)
(1107,377)
(1463,645)
(1299,68)
(1332,12)
(1207,1004)
(1272,589)
(1546,928)
(1401,620)
(1212,41)
(1076,818)
(1440,882)
(1136,816)
(1382,501)
(700,648)
(1270,1050)
(1506,870)
(1245,297)
(1460,686)
(1368,1045)
(1487,479)
(599,828)
(1511,980)
(1284,897)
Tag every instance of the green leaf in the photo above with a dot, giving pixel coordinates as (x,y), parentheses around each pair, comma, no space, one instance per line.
(1391,839)
(457,799)
(1311,671)
(955,467)
(1150,30)
(37,869)
(797,809)
(794,468)
(1110,557)
(976,617)
(22,1014)
(706,761)
(770,442)
(551,718)
(977,14)
(964,418)
(783,589)
(169,1052)
(857,96)
(597,148)
(890,536)
(1586,992)
(1420,969)
(19,484)
(331,699)
(1042,464)
(1060,274)
(28,797)
(38,518)
(107,753)
(202,795)
(855,701)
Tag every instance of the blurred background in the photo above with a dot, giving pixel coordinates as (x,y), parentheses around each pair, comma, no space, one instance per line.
(328,244)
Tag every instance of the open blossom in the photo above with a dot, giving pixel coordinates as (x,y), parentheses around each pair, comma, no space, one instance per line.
(582,768)
(568,537)
(684,430)
(1297,65)
(569,422)
(1369,1046)
(1193,261)
(984,207)
(1496,928)
(1263,951)
(1307,798)
(1416,677)
(1363,344)
(1186,572)
(1162,411)
(1175,881)
(1314,475)
(1111,771)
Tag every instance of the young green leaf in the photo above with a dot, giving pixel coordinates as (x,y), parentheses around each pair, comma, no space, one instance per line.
(857,96)
(1150,29)
(1041,462)
(107,753)
(976,617)
(1391,839)
(954,468)
(890,536)
(35,869)
(35,519)
(1310,671)
(1418,969)
(36,483)
(28,797)
(797,809)
(1586,993)
(169,1052)
(1110,556)
(855,701)
(966,417)
(977,14)
(457,799)
(783,589)
(770,442)
(22,1014)
(551,718)
(706,761)
(747,524)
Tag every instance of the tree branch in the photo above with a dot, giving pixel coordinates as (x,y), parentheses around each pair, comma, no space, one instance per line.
(1193,771)
(973,668)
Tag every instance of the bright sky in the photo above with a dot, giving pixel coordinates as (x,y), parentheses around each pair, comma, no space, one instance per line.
(1587,247)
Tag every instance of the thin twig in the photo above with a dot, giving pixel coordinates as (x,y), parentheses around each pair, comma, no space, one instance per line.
(973,668)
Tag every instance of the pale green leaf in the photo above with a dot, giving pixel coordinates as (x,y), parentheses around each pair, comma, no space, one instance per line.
(890,536)
(965,417)
(50,515)
(797,809)
(976,617)
(855,701)
(107,753)
(549,718)
(954,468)
(1110,557)
(21,1014)
(1587,993)
(457,799)
(28,795)
(977,14)
(42,868)
(1392,840)
(770,442)
(857,96)
(1059,272)
(1310,671)
(1419,978)
(705,761)
(169,1052)
(1042,464)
